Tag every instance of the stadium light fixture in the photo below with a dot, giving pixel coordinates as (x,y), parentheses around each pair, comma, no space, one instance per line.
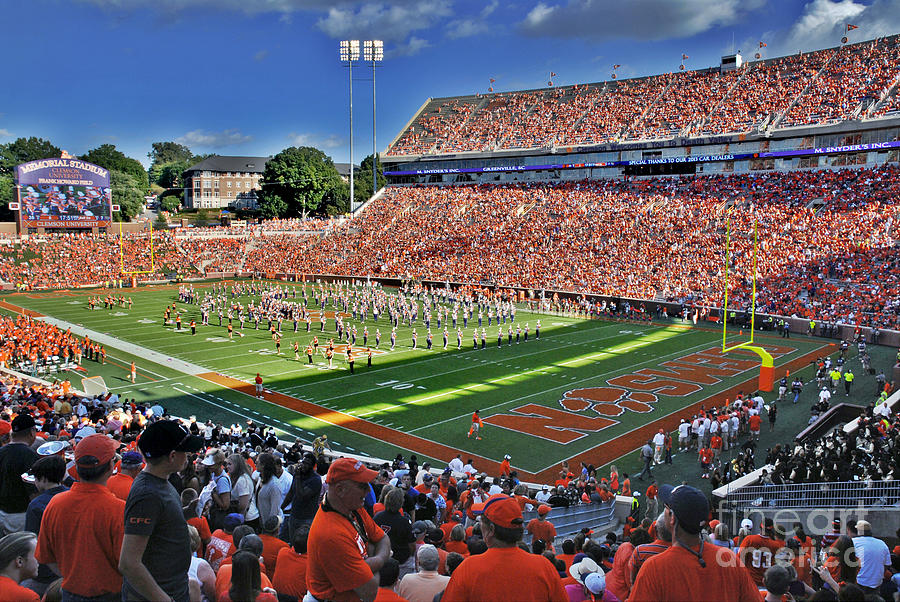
(373,51)
(349,50)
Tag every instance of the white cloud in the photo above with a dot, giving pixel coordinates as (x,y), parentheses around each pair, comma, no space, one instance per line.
(412,46)
(389,22)
(201,138)
(316,140)
(466,28)
(4,133)
(823,23)
(259,56)
(633,19)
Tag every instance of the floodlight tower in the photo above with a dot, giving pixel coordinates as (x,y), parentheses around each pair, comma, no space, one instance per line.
(373,50)
(350,53)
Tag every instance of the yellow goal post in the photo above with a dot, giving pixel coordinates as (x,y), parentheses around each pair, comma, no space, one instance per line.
(767,369)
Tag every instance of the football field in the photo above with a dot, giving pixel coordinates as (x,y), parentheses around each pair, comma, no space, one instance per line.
(589,390)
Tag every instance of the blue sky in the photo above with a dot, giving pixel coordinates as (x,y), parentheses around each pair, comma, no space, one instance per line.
(251,77)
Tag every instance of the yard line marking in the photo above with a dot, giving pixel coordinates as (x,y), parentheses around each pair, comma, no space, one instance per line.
(607,375)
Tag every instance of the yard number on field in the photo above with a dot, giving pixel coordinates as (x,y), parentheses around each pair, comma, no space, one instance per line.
(396,384)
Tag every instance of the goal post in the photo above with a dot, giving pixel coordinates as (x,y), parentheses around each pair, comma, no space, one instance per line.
(122,255)
(767,368)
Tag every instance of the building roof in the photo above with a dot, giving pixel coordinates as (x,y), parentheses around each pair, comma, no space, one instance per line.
(230,164)
(344,169)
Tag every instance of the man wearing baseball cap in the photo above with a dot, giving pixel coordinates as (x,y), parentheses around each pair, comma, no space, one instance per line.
(758,551)
(16,457)
(346,548)
(504,571)
(87,562)
(156,549)
(691,569)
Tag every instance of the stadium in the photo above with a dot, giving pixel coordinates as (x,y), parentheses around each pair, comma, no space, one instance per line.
(556,293)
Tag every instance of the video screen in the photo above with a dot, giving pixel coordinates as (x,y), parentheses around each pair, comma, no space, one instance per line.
(65,203)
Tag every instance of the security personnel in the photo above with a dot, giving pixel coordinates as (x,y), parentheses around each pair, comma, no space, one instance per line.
(848,381)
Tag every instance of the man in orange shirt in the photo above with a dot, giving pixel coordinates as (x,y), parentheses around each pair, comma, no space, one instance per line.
(97,516)
(691,569)
(120,483)
(504,571)
(477,423)
(290,567)
(755,423)
(758,551)
(505,468)
(706,458)
(541,528)
(346,547)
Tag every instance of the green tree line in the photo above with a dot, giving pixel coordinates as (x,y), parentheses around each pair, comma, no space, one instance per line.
(298,181)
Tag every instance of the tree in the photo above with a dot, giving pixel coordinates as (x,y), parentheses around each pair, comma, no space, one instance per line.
(170,202)
(23,150)
(127,193)
(298,181)
(108,156)
(362,182)
(168,162)
(169,152)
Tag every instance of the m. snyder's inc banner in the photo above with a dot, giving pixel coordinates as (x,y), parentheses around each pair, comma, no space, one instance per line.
(63,193)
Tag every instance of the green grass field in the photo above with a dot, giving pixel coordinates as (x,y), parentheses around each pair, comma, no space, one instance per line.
(587,389)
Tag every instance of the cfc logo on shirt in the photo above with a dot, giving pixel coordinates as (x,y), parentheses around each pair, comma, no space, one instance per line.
(136,520)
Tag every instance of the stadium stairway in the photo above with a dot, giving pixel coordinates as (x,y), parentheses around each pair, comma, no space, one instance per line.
(777,123)
(569,521)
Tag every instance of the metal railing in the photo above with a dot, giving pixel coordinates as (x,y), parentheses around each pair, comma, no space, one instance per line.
(569,521)
(846,494)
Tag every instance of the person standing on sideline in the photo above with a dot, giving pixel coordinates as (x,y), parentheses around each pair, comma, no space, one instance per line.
(346,548)
(475,429)
(133,373)
(646,456)
(848,381)
(156,548)
(773,415)
(259,385)
(659,442)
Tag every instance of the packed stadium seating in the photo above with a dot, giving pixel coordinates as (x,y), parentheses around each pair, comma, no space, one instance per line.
(826,240)
(70,260)
(821,87)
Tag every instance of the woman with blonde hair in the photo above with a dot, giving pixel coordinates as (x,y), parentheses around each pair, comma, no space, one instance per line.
(242,489)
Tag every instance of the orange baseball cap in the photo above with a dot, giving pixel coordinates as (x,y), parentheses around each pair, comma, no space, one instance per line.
(95,449)
(348,469)
(503,511)
(543,509)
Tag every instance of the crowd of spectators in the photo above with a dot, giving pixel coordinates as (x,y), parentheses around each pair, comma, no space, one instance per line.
(651,238)
(819,87)
(852,75)
(826,242)
(71,260)
(250,517)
